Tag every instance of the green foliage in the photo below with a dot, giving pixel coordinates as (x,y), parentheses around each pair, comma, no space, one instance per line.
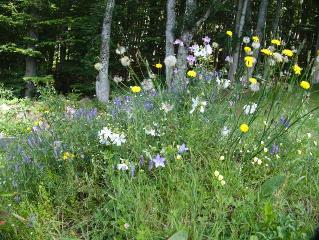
(271,185)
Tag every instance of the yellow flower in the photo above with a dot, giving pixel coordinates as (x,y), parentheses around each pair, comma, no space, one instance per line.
(305,85)
(229,33)
(68,156)
(191,73)
(249,61)
(255,38)
(158,65)
(37,123)
(244,128)
(178,157)
(276,42)
(253,80)
(297,69)
(29,129)
(136,89)
(247,49)
(266,52)
(287,52)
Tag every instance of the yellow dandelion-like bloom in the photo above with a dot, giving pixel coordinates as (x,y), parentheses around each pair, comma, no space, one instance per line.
(305,85)
(136,89)
(229,33)
(158,65)
(297,69)
(249,61)
(276,42)
(244,128)
(247,49)
(255,38)
(191,73)
(253,80)
(287,52)
(68,156)
(266,52)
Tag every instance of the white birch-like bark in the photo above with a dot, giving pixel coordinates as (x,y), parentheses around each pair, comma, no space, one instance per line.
(103,83)
(170,38)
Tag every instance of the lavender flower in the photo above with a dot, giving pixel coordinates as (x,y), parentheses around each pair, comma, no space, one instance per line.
(142,161)
(148,105)
(206,40)
(132,170)
(191,59)
(179,42)
(150,165)
(159,161)
(117,101)
(182,148)
(284,121)
(274,149)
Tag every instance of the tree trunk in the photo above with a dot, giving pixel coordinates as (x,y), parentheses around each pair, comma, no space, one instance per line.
(30,65)
(103,83)
(239,29)
(262,16)
(188,30)
(248,17)
(186,37)
(170,37)
(238,15)
(276,19)
(315,71)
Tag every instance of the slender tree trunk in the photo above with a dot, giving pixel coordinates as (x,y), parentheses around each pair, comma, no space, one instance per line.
(315,71)
(103,83)
(188,30)
(186,37)
(248,17)
(31,65)
(238,15)
(170,37)
(236,52)
(275,24)
(262,16)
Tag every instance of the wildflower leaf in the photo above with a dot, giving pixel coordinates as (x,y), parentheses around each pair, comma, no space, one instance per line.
(180,235)
(272,184)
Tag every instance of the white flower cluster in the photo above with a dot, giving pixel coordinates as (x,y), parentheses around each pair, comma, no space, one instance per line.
(166,107)
(152,131)
(225,131)
(220,177)
(107,137)
(224,83)
(250,109)
(147,84)
(197,103)
(202,51)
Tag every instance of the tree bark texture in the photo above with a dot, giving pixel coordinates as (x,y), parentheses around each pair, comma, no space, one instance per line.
(103,83)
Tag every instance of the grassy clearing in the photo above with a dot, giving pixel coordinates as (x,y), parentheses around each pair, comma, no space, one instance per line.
(84,195)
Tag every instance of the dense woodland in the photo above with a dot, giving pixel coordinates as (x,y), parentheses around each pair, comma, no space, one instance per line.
(60,40)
